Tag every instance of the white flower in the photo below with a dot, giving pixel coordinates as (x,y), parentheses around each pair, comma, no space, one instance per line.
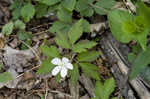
(62,66)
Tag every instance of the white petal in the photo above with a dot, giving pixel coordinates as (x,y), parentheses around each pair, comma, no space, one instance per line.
(63,72)
(56,70)
(65,60)
(69,66)
(56,61)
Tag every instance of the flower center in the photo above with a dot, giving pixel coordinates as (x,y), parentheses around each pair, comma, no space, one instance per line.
(62,64)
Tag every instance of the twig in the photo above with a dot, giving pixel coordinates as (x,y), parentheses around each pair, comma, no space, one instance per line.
(46,90)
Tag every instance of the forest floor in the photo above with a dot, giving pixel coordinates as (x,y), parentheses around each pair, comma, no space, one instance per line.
(28,85)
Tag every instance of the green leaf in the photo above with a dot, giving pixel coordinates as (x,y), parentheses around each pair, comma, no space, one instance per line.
(46,67)
(144,74)
(142,38)
(53,8)
(140,62)
(49,2)
(104,91)
(27,12)
(103,6)
(88,56)
(90,70)
(144,11)
(86,26)
(23,35)
(16,9)
(84,8)
(131,57)
(69,4)
(41,10)
(59,26)
(114,98)
(64,15)
(81,5)
(74,74)
(125,27)
(8,28)
(75,32)
(62,40)
(51,51)
(5,76)
(16,13)
(20,25)
(136,49)
(116,19)
(88,12)
(83,45)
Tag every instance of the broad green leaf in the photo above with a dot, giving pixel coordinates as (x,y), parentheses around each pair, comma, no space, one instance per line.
(142,38)
(88,12)
(103,6)
(125,27)
(90,1)
(27,12)
(69,4)
(62,40)
(51,51)
(136,48)
(8,28)
(88,56)
(103,91)
(41,10)
(16,9)
(59,26)
(64,15)
(144,11)
(131,57)
(83,45)
(16,13)
(137,30)
(81,5)
(90,70)
(23,35)
(19,24)
(140,62)
(86,26)
(74,74)
(46,67)
(116,19)
(144,74)
(5,76)
(75,32)
(49,2)
(53,8)
(15,4)
(114,98)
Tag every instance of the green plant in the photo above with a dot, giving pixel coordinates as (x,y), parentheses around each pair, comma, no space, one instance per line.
(77,52)
(140,62)
(103,91)
(126,27)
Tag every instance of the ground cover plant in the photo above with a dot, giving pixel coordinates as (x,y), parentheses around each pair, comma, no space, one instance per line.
(73,50)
